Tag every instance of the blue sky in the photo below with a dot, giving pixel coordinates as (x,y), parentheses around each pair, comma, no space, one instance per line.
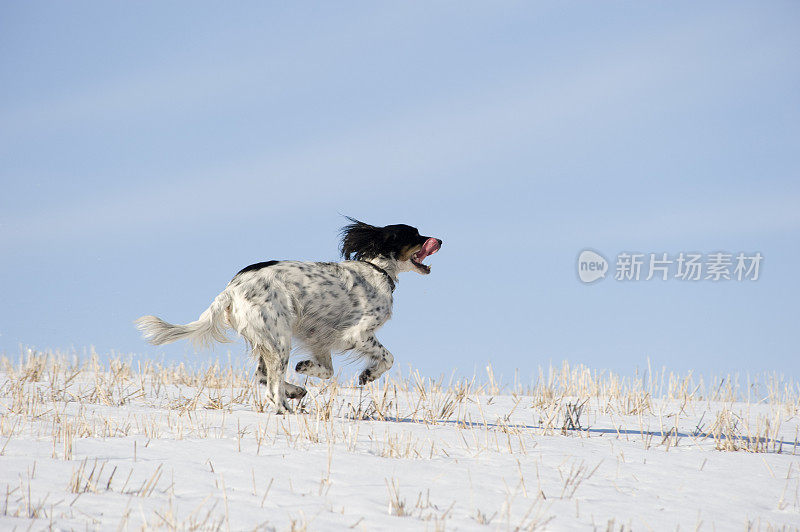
(149,151)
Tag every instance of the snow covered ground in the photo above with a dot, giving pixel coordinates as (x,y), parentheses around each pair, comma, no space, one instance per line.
(125,446)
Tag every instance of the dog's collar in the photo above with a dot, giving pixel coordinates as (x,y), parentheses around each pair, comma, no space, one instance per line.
(384,272)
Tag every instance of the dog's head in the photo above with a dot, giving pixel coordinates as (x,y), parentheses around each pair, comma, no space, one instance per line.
(401,243)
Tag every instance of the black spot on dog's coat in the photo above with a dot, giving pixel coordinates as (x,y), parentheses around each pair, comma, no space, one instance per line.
(256,266)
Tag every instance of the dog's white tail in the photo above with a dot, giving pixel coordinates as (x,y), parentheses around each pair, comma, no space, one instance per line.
(208,328)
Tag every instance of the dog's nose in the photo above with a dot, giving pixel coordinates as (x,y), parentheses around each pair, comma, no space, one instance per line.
(440,242)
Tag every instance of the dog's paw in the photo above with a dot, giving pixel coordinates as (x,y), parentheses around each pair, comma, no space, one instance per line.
(366,377)
(283,407)
(295,392)
(304,367)
(312,369)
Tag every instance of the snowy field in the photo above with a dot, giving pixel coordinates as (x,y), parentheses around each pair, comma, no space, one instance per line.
(129,444)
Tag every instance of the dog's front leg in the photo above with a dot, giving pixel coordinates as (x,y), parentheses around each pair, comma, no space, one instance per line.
(380,359)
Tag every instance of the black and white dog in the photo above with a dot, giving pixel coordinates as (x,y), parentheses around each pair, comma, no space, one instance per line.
(325,306)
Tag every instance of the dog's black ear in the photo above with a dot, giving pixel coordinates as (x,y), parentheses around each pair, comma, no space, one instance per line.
(360,240)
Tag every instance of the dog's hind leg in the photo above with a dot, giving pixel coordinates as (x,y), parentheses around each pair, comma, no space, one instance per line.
(380,359)
(273,366)
(292,391)
(267,328)
(320,365)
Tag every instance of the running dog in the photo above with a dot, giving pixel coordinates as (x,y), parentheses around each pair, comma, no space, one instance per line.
(324,306)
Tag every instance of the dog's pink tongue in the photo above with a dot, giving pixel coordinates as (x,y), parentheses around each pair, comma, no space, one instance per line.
(430,247)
